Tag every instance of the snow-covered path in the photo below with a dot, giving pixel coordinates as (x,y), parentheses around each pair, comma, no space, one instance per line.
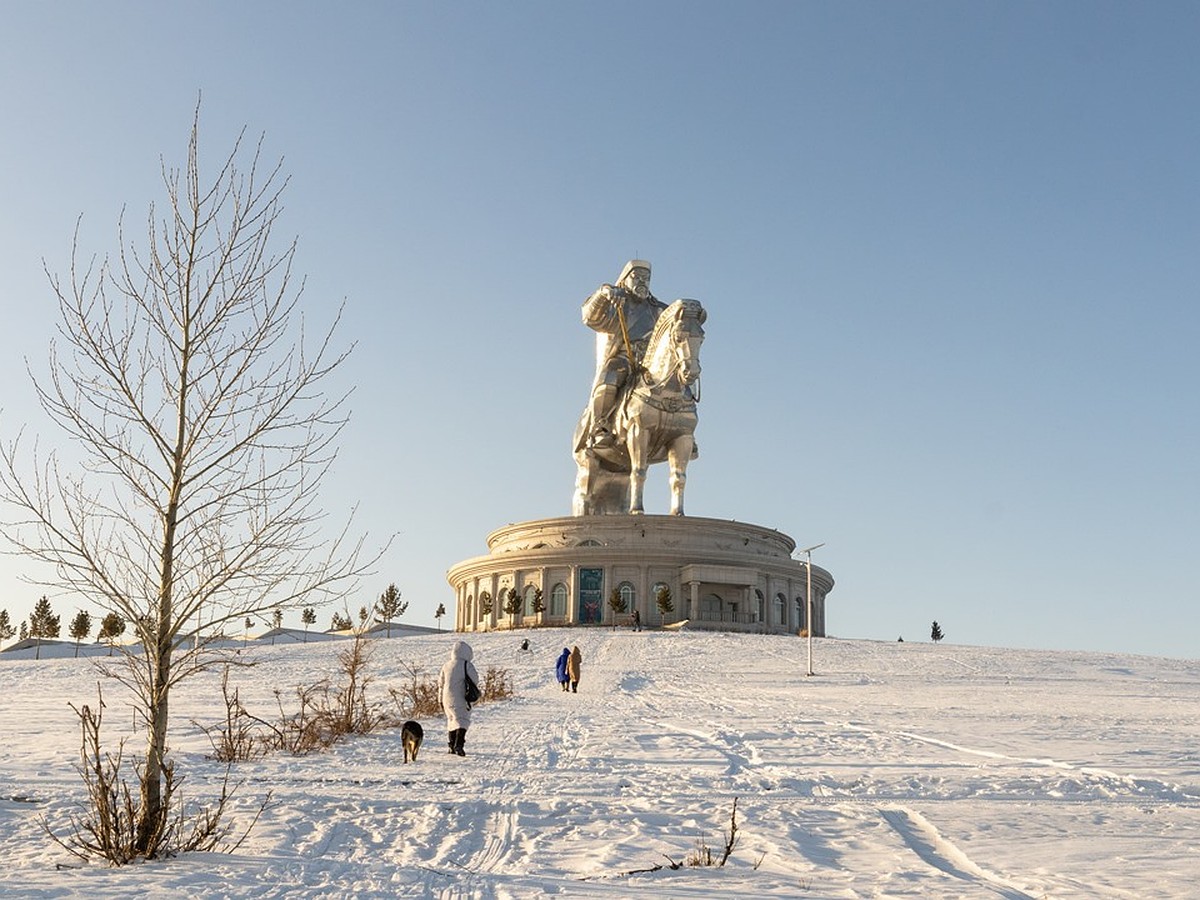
(900,770)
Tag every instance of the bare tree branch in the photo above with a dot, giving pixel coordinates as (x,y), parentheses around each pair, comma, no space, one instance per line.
(198,431)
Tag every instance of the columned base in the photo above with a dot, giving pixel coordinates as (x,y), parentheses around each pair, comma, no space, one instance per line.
(581,570)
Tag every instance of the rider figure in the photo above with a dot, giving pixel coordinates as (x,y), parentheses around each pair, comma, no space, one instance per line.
(624,315)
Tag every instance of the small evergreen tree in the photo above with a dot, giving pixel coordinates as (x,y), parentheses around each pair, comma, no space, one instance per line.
(539,605)
(308,617)
(43,623)
(512,606)
(6,626)
(617,604)
(390,607)
(936,632)
(485,604)
(112,626)
(662,599)
(441,611)
(24,630)
(81,627)
(340,622)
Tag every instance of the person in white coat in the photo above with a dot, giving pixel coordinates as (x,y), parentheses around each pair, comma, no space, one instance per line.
(452,688)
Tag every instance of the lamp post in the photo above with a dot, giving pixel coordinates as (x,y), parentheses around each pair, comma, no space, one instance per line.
(807,551)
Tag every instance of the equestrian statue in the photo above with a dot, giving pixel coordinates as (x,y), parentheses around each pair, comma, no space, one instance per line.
(642,408)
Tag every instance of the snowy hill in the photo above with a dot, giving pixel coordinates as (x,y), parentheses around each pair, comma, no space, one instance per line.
(899,770)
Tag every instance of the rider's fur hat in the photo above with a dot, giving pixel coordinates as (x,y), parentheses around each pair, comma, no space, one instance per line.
(634,264)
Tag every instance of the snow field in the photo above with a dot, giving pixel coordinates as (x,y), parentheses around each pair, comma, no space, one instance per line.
(900,770)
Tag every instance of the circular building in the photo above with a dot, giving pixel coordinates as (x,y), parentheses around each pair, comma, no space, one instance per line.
(597,570)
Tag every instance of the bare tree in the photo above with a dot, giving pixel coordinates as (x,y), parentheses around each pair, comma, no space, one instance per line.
(184,374)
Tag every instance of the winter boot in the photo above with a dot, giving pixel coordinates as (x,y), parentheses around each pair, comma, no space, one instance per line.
(453,739)
(459,741)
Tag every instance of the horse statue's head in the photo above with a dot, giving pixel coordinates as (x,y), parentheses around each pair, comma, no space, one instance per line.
(673,349)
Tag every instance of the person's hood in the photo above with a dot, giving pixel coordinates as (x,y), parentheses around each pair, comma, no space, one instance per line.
(461,650)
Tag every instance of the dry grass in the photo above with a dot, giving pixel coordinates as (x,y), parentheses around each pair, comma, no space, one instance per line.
(419,697)
(497,685)
(328,711)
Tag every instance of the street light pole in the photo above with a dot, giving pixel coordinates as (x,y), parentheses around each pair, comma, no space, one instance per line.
(807,551)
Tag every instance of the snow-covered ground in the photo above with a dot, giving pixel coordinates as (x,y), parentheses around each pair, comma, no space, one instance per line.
(899,770)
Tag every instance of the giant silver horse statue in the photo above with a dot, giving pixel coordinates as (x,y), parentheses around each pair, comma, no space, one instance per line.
(655,420)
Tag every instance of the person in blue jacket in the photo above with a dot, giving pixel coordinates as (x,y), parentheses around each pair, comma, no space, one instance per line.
(560,668)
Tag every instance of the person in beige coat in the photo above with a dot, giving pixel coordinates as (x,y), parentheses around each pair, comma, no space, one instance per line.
(574,663)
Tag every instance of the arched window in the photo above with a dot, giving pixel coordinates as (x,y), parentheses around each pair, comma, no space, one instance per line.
(558,600)
(780,609)
(761,607)
(530,593)
(628,594)
(801,612)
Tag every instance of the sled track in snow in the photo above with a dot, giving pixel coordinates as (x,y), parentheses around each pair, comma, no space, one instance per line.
(928,843)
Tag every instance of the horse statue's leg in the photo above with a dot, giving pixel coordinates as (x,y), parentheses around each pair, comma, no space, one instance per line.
(586,472)
(677,458)
(636,441)
(584,469)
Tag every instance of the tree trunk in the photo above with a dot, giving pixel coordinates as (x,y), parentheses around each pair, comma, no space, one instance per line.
(151,814)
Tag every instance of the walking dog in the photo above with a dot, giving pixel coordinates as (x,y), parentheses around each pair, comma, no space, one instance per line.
(411,735)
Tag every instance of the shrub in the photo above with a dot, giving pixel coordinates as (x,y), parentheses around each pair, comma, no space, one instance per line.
(109,826)
(497,685)
(419,697)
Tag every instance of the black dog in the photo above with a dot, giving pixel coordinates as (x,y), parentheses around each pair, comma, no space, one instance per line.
(411,735)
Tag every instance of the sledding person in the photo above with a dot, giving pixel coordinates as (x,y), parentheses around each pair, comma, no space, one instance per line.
(574,664)
(452,688)
(560,668)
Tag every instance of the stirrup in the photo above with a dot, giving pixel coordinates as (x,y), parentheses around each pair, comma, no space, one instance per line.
(603,438)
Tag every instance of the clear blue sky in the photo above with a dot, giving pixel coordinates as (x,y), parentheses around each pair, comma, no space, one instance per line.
(949,253)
